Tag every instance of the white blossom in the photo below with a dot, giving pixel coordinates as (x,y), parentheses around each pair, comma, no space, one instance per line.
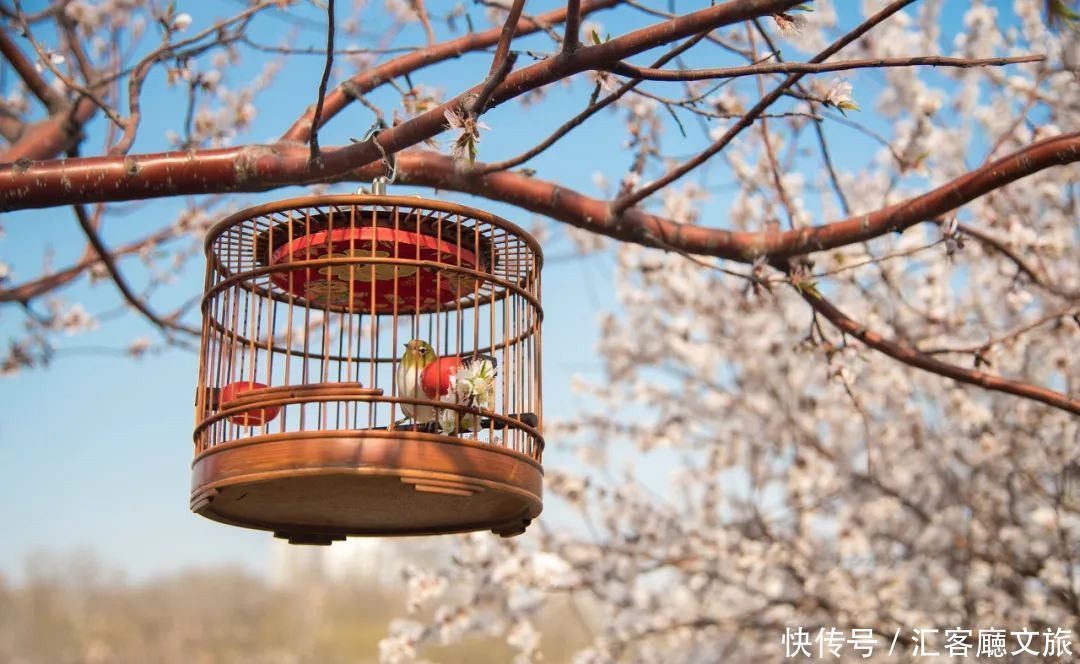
(468,133)
(181,22)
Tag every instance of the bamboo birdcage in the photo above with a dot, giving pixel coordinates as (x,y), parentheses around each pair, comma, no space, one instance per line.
(300,421)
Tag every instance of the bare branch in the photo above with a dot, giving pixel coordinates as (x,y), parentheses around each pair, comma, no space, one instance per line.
(53,135)
(634,225)
(68,82)
(652,74)
(914,358)
(746,120)
(27,291)
(29,75)
(1037,277)
(166,50)
(325,79)
(581,117)
(166,326)
(571,36)
(369,79)
(979,350)
(421,13)
(502,62)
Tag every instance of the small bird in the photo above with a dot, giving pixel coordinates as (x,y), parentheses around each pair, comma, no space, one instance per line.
(419,355)
(422,374)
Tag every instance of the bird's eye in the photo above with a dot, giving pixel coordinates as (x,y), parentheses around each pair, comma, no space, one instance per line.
(422,350)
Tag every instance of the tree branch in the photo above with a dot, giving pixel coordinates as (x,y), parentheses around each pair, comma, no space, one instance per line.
(27,291)
(165,50)
(502,62)
(370,79)
(1033,273)
(29,75)
(652,74)
(166,326)
(631,199)
(256,168)
(571,36)
(84,91)
(422,15)
(52,136)
(580,118)
(914,358)
(315,123)
(571,207)
(979,350)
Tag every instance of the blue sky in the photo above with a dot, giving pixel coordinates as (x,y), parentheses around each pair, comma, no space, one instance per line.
(96,449)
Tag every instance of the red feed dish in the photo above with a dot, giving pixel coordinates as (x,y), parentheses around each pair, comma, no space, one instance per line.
(249,418)
(417,288)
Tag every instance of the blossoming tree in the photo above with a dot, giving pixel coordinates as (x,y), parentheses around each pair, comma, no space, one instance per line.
(867,375)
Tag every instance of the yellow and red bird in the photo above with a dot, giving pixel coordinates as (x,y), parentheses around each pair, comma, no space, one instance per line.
(422,374)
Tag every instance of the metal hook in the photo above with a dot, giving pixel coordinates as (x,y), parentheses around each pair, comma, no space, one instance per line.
(378,184)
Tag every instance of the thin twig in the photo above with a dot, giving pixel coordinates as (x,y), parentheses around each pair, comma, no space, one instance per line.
(774,168)
(314,143)
(653,74)
(134,300)
(421,13)
(313,50)
(1033,273)
(369,79)
(581,117)
(71,84)
(631,199)
(27,291)
(980,349)
(502,62)
(166,50)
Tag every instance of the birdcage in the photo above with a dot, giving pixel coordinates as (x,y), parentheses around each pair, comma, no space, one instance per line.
(370,365)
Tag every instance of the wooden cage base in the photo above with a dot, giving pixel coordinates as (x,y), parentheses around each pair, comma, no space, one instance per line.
(319,487)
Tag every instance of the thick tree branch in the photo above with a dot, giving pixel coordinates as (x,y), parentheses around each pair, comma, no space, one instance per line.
(256,168)
(29,75)
(259,164)
(653,74)
(914,358)
(53,135)
(571,207)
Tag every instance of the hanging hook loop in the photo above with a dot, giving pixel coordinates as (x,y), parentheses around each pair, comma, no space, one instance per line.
(378,184)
